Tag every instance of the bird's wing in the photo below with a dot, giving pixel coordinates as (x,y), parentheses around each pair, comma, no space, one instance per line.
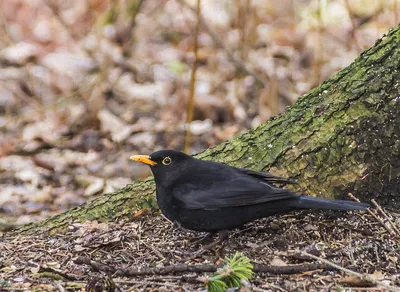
(266,176)
(241,190)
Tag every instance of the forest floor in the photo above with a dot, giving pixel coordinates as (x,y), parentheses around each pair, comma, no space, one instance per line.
(129,254)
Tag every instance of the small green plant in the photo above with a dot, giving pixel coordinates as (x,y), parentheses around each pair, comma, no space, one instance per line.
(236,268)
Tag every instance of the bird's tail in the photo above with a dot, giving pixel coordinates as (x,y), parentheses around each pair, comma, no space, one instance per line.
(308,202)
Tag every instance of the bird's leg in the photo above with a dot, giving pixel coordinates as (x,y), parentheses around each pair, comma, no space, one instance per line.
(201,239)
(176,226)
(223,235)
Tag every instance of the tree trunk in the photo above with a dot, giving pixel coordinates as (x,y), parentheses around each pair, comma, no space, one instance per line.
(343,136)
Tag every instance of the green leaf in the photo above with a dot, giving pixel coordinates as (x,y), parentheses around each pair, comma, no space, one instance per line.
(236,268)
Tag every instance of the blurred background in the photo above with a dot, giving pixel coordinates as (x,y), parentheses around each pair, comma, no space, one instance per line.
(85,84)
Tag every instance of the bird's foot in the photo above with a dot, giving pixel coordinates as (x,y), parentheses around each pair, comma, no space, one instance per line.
(222,237)
(193,255)
(201,239)
(176,226)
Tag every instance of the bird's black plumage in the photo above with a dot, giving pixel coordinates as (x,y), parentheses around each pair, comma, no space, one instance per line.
(211,196)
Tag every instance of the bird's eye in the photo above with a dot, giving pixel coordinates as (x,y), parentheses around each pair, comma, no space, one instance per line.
(167,161)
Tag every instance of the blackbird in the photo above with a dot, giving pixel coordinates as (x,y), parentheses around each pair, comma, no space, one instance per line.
(214,197)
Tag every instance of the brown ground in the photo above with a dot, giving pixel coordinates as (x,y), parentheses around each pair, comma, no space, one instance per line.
(355,241)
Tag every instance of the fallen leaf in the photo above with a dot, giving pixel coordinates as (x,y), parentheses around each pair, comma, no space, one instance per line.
(141,212)
(78,247)
(278,262)
(367,280)
(53,265)
(35,270)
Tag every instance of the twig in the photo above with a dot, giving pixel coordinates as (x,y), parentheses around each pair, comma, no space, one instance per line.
(190,105)
(367,289)
(373,215)
(386,216)
(185,268)
(289,269)
(64,275)
(361,276)
(350,195)
(239,64)
(144,282)
(94,264)
(364,277)
(381,222)
(155,250)
(149,246)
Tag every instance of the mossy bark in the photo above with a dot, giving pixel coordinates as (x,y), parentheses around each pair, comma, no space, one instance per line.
(342,136)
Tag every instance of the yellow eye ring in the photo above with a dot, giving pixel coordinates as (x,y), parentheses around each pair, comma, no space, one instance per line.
(167,161)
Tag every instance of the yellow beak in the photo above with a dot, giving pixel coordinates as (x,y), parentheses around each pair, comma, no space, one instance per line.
(143,159)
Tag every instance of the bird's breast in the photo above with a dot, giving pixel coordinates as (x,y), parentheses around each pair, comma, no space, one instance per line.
(168,205)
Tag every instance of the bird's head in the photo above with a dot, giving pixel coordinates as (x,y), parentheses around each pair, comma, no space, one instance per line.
(166,165)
